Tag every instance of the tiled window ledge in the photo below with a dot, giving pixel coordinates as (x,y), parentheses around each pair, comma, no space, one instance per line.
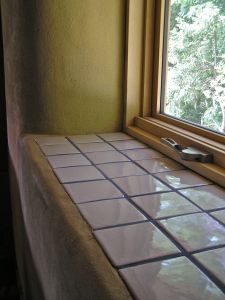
(161,225)
(58,256)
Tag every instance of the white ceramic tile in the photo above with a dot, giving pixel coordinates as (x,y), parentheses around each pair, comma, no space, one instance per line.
(213,261)
(129,144)
(59,149)
(134,243)
(196,231)
(182,179)
(164,205)
(172,279)
(140,154)
(94,147)
(138,185)
(106,157)
(120,169)
(207,197)
(115,136)
(69,160)
(157,165)
(219,215)
(88,138)
(82,173)
(110,212)
(92,190)
(51,140)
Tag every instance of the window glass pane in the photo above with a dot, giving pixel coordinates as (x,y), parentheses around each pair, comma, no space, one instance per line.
(193,82)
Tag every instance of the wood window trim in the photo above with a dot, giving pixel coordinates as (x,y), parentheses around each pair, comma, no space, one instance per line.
(142,91)
(156,90)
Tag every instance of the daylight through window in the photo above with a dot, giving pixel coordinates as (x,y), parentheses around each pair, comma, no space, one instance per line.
(193,83)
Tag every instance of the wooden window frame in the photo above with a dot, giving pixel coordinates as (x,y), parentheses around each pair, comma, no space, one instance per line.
(142,118)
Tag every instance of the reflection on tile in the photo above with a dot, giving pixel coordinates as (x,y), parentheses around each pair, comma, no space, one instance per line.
(110,212)
(219,215)
(121,169)
(59,149)
(195,231)
(92,190)
(129,144)
(134,243)
(157,165)
(214,261)
(138,185)
(94,147)
(164,205)
(182,179)
(82,173)
(170,279)
(140,154)
(115,136)
(207,197)
(106,157)
(68,160)
(125,233)
(88,138)
(51,140)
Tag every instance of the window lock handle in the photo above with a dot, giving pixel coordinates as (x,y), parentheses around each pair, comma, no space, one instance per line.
(188,153)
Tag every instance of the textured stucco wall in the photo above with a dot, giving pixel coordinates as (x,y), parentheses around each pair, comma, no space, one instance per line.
(64,65)
(64,62)
(66,262)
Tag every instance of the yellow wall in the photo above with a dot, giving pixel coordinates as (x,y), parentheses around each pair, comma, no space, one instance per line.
(64,72)
(64,64)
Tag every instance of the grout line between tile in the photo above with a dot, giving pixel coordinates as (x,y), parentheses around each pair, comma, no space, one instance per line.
(178,215)
(155,222)
(220,222)
(207,249)
(98,200)
(167,234)
(121,225)
(206,211)
(150,260)
(209,274)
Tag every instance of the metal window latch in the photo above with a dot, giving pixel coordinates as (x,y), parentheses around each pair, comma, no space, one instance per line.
(188,153)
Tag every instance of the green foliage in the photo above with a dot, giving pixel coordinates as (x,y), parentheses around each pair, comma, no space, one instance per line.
(196,62)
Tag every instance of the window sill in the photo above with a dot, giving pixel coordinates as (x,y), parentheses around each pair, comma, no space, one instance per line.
(150,130)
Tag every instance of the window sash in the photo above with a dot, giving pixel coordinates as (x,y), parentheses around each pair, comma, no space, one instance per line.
(159,76)
(142,91)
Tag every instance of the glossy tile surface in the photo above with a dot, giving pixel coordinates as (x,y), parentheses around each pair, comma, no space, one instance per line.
(121,169)
(100,171)
(92,190)
(182,179)
(219,215)
(115,136)
(133,243)
(138,185)
(214,261)
(157,165)
(110,212)
(172,279)
(164,205)
(140,154)
(106,157)
(94,147)
(51,140)
(129,144)
(68,160)
(89,138)
(82,173)
(207,197)
(59,149)
(196,231)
